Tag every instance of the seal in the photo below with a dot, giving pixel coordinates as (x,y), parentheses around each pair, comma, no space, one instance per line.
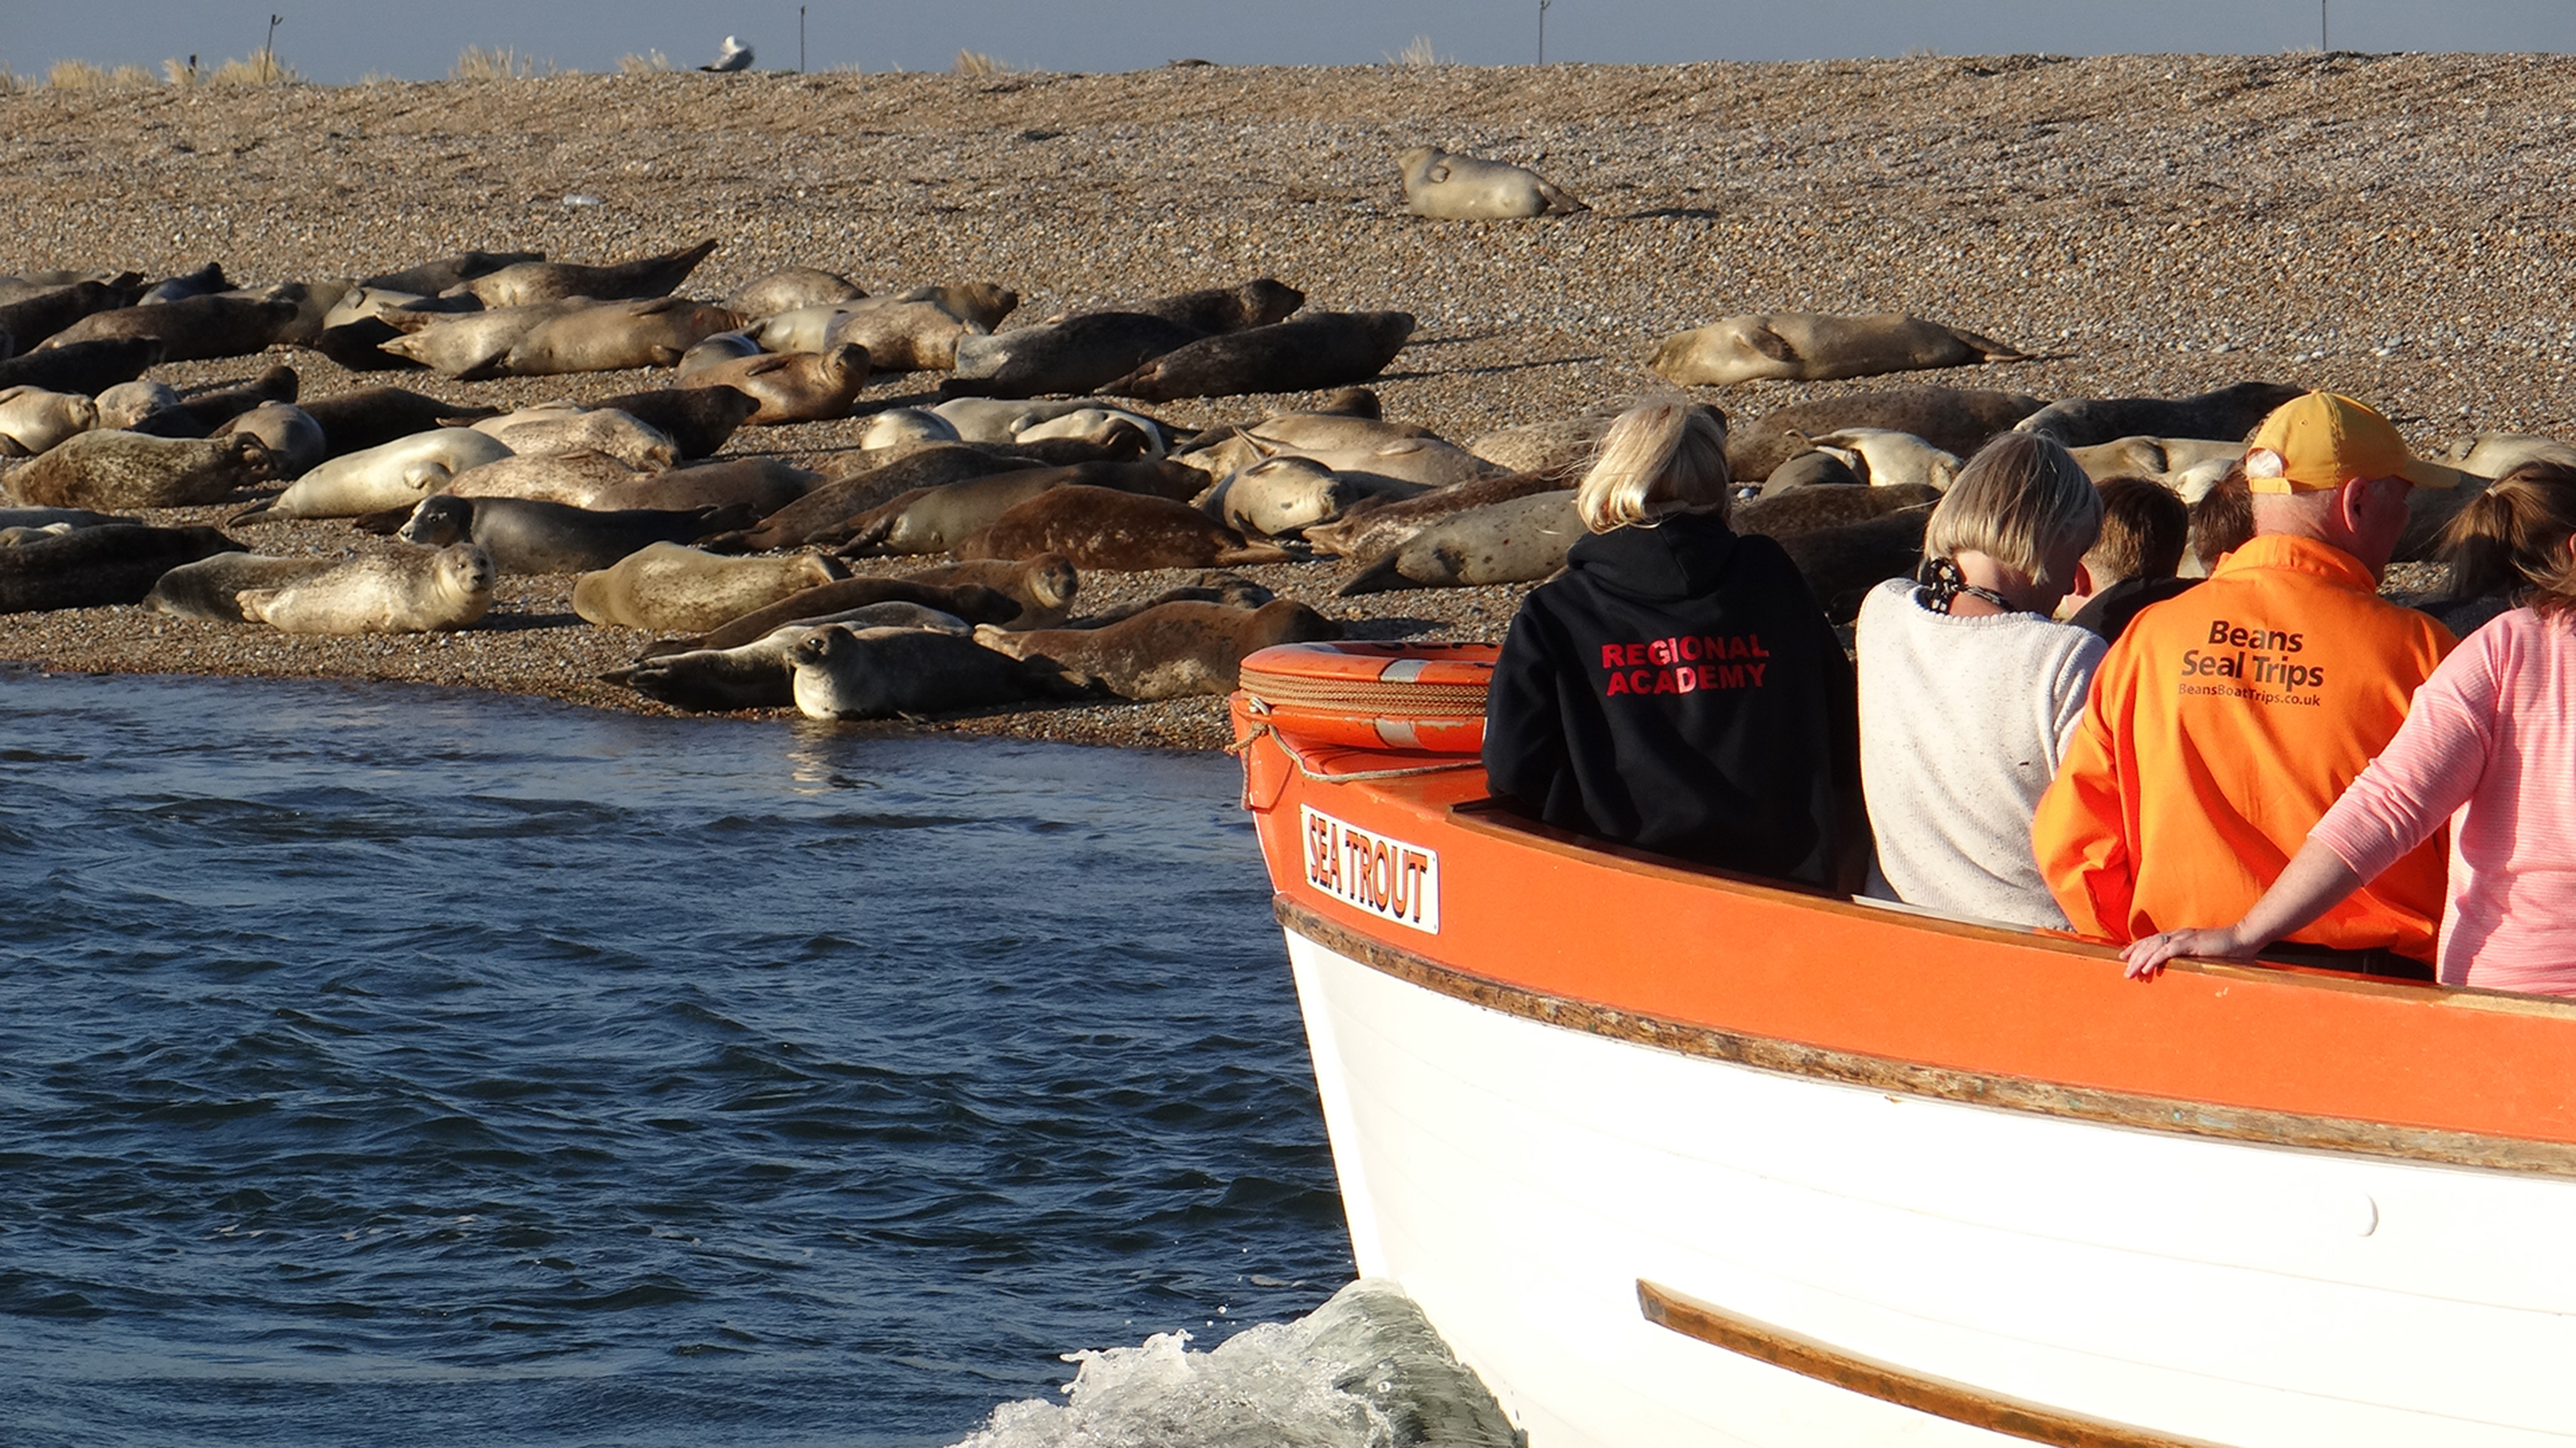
(1516,542)
(1076,355)
(211,407)
(722,347)
(1043,585)
(32,319)
(373,416)
(1106,428)
(410,591)
(131,406)
(402,472)
(1954,419)
(1317,350)
(1561,447)
(1171,651)
(1891,459)
(824,509)
(699,420)
(1842,564)
(981,420)
(1282,497)
(971,602)
(580,479)
(1817,467)
(313,302)
(87,367)
(669,588)
(879,673)
(35,419)
(1447,186)
(1213,586)
(788,288)
(290,433)
(1818,347)
(210,587)
(571,427)
(468,346)
(941,519)
(612,337)
(520,283)
(524,535)
(1373,528)
(1105,528)
(1256,303)
(2151,457)
(805,329)
(99,566)
(763,485)
(904,427)
(794,387)
(56,520)
(1808,510)
(101,469)
(914,332)
(189,330)
(429,278)
(762,674)
(204,281)
(2226,413)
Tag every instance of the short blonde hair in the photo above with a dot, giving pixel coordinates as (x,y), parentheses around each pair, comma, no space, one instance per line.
(1655,459)
(2021,498)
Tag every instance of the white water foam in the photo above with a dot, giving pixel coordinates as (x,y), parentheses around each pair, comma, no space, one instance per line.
(1364,1370)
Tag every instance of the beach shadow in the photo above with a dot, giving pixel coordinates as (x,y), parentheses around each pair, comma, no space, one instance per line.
(1676,213)
(1496,370)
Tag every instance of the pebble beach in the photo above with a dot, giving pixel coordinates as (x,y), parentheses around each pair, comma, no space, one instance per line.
(2393,227)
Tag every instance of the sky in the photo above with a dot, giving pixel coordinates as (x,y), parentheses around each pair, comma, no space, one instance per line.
(338,41)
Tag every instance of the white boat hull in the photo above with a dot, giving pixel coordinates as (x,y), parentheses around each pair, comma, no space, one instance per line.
(1520,1179)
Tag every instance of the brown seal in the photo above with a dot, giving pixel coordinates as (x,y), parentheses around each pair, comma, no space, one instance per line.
(1819,347)
(103,469)
(669,588)
(1520,541)
(699,419)
(1374,528)
(32,319)
(547,281)
(2225,414)
(188,330)
(937,520)
(429,278)
(882,672)
(1167,652)
(1317,350)
(794,386)
(1805,510)
(1072,355)
(972,602)
(1256,303)
(1043,585)
(825,507)
(788,288)
(94,567)
(1954,419)
(85,367)
(1108,529)
(373,416)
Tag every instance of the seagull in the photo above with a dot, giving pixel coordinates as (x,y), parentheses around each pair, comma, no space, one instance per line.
(734,56)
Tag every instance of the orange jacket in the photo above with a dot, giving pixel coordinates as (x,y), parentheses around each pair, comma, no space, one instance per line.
(2219,728)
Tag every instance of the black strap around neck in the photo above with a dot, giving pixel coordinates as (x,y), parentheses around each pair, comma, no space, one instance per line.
(1943,583)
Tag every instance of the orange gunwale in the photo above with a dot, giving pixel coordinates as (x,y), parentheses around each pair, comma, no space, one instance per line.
(1545,924)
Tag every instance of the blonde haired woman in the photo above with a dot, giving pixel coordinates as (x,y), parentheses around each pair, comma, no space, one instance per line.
(1968,690)
(1677,688)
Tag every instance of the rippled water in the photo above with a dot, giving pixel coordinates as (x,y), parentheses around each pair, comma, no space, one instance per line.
(386,1065)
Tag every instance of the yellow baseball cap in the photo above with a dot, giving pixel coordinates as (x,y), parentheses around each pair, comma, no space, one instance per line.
(2316,442)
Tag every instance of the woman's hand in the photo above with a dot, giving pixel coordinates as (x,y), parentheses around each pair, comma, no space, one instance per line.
(2148,954)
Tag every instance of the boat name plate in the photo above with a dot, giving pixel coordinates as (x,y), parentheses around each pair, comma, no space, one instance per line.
(1386,877)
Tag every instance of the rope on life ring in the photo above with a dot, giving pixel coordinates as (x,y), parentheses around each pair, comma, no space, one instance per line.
(1417,697)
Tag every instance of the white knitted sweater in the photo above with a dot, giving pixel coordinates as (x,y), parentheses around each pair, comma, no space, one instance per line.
(1962,722)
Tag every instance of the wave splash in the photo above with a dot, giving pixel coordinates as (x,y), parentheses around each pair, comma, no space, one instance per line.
(1364,1370)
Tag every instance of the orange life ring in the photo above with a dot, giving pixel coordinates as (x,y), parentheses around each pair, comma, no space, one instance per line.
(1412,696)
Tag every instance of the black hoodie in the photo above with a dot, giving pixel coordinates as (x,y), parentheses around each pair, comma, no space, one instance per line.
(1678,689)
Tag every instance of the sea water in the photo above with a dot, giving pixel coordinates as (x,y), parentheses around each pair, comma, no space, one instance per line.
(381,1064)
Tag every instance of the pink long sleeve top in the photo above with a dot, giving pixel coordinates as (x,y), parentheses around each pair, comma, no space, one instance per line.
(2490,742)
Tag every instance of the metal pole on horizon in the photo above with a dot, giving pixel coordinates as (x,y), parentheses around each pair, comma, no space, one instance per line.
(268,51)
(2322,47)
(1542,30)
(800,40)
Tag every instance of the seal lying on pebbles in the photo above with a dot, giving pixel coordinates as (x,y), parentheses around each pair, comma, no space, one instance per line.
(1106,428)
(210,588)
(571,427)
(699,420)
(466,345)
(712,351)
(95,567)
(1842,564)
(524,535)
(544,281)
(1954,419)
(429,278)
(1076,355)
(34,419)
(789,288)
(128,470)
(1302,354)
(1809,509)
(989,420)
(1282,497)
(918,331)
(1516,542)
(827,506)
(761,674)
(764,485)
(85,367)
(402,472)
(1891,459)
(938,520)
(971,602)
(1818,347)
(1104,528)
(211,407)
(880,673)
(373,416)
(1815,468)
(1043,585)
(1372,529)
(411,591)
(611,337)
(290,433)
(2150,457)
(188,330)
(798,387)
(1256,303)
(673,589)
(1450,187)
(34,318)
(1171,651)
(580,478)
(2226,414)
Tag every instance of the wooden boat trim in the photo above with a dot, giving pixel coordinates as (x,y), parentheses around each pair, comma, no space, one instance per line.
(1941,1083)
(1940,1397)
